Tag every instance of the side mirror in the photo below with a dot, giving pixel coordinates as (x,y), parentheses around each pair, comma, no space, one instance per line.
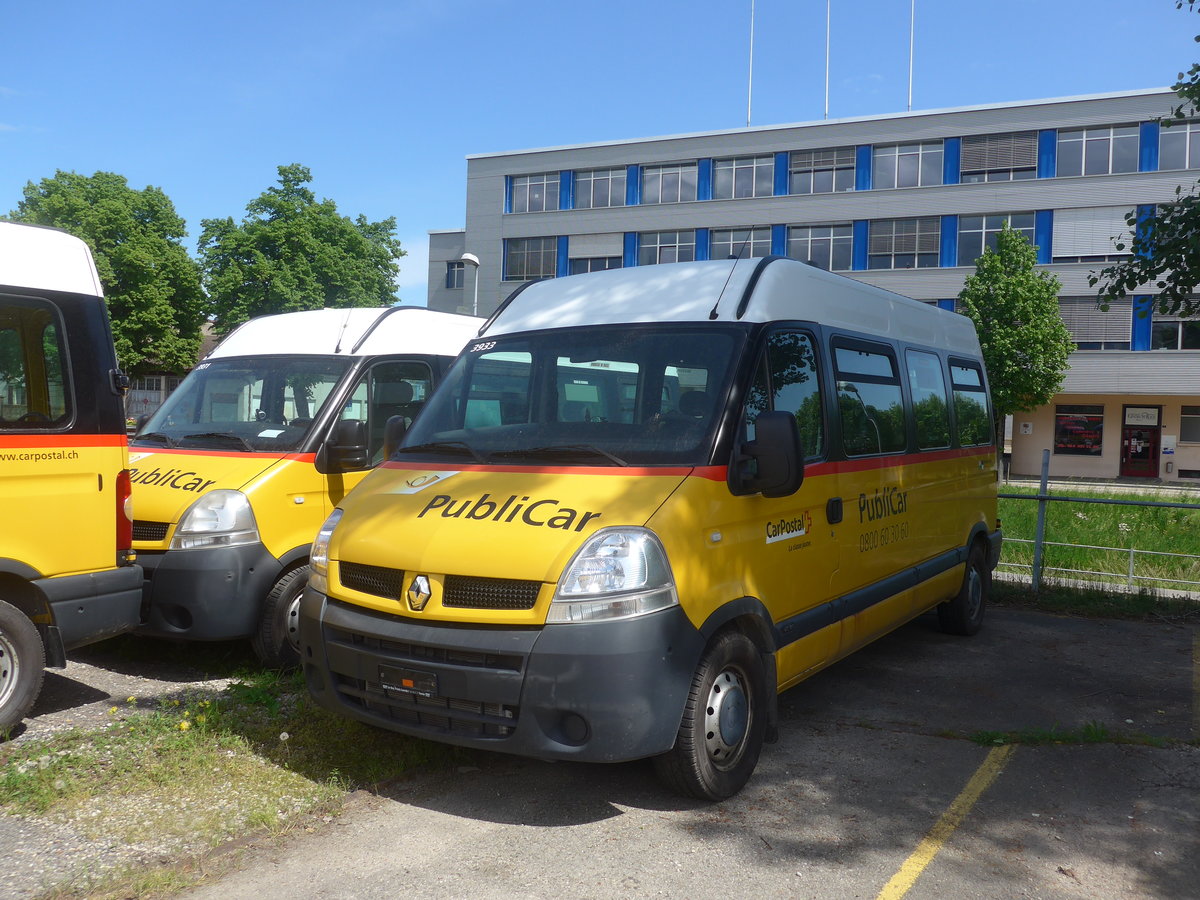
(345,450)
(141,423)
(773,463)
(393,434)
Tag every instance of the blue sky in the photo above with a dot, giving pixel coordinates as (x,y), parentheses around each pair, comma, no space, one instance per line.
(384,99)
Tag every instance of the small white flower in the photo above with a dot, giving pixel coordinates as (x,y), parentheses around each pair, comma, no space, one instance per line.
(283,735)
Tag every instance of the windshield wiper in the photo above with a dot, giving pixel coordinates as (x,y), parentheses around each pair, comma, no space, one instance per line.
(220,437)
(561,451)
(442,445)
(165,439)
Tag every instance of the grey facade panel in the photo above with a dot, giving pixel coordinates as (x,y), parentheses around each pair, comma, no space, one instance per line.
(1174,373)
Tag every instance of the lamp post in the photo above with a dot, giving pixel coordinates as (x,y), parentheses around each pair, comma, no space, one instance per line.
(472,260)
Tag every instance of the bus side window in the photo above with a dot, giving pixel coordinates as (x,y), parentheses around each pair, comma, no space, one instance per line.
(971,420)
(931,411)
(789,379)
(870,399)
(33,389)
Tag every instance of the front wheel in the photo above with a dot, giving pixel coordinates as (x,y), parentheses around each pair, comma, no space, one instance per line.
(724,721)
(277,641)
(964,614)
(22,665)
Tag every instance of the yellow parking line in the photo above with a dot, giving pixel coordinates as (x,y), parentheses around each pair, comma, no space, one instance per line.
(903,880)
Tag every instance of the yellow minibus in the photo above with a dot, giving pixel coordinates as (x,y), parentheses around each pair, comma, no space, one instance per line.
(67,576)
(644,502)
(234,473)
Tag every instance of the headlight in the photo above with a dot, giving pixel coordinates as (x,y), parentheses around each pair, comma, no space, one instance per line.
(619,573)
(318,557)
(218,519)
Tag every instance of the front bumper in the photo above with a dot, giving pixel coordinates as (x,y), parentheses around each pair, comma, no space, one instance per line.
(214,594)
(600,692)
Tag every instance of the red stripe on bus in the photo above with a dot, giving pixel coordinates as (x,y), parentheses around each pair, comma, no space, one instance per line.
(16,441)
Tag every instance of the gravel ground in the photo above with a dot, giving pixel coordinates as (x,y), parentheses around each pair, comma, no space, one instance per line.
(40,854)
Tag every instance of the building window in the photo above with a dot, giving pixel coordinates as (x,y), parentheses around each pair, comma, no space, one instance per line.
(1173,334)
(821,171)
(977,232)
(904,243)
(1078,430)
(454,275)
(669,184)
(535,193)
(999,157)
(1092,328)
(1098,151)
(747,176)
(666,247)
(907,165)
(599,188)
(1189,424)
(594,264)
(1179,146)
(528,258)
(740,243)
(827,246)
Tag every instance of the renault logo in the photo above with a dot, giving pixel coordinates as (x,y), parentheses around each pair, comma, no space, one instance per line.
(419,593)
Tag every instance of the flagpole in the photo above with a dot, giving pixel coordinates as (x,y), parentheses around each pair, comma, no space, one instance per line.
(750,77)
(827,2)
(912,22)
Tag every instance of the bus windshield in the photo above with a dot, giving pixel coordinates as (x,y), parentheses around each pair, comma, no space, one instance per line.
(249,403)
(634,395)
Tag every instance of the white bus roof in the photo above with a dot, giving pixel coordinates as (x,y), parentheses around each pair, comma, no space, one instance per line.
(328,332)
(46,259)
(785,290)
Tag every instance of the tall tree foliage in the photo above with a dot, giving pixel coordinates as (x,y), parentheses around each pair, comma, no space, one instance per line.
(1166,244)
(1015,310)
(151,284)
(292,252)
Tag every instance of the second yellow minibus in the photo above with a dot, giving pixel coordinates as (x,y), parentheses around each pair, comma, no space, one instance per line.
(645,501)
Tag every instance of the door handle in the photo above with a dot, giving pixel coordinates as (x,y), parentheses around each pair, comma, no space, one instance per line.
(833,510)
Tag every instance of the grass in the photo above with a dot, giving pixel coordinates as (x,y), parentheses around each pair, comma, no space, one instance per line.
(1088,525)
(196,773)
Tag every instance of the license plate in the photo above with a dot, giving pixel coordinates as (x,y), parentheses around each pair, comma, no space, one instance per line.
(408,681)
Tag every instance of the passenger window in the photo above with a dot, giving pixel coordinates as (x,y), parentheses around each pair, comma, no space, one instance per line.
(931,410)
(971,419)
(499,390)
(388,389)
(33,388)
(789,379)
(870,400)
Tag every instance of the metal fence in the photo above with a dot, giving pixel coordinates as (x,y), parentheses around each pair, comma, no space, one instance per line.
(1122,568)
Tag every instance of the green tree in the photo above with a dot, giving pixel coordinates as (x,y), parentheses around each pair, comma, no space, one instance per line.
(292,253)
(1015,310)
(1166,243)
(151,285)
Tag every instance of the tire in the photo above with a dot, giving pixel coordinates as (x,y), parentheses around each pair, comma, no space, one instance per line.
(277,642)
(22,666)
(724,721)
(964,614)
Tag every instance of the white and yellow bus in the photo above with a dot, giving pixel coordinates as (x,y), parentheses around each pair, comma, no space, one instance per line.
(67,576)
(645,501)
(234,473)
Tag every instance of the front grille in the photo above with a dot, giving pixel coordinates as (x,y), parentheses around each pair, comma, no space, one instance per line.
(377,580)
(408,652)
(458,591)
(433,715)
(469,592)
(153,532)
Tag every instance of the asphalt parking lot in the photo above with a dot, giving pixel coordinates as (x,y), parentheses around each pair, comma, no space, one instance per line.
(875,790)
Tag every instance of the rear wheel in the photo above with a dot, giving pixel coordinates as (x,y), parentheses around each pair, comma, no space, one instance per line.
(277,642)
(22,665)
(964,614)
(721,735)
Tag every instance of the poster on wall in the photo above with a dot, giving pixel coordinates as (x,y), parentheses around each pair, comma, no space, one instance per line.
(1079,430)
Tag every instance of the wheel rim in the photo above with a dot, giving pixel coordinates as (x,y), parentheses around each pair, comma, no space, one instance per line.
(974,592)
(727,719)
(291,621)
(10,669)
